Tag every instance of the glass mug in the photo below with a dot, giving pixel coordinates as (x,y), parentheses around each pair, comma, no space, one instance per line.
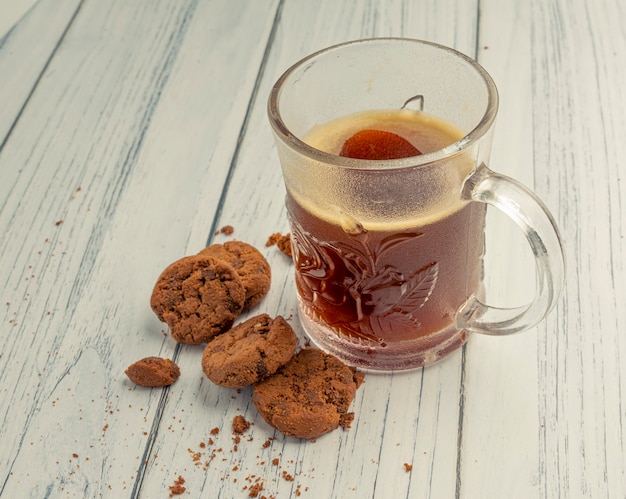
(388,253)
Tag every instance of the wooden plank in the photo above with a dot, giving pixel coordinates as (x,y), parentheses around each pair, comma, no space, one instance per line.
(551,423)
(405,418)
(25,52)
(578,80)
(111,165)
(500,424)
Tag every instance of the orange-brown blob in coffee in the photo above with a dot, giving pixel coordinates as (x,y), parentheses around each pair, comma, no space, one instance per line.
(377,145)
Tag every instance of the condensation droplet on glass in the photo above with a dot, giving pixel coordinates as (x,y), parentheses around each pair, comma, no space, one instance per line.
(351,225)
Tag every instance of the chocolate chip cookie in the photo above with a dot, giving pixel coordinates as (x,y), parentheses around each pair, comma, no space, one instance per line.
(198,297)
(249,263)
(249,352)
(309,396)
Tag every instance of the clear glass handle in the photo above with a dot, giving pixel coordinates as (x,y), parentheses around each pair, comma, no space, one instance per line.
(531,215)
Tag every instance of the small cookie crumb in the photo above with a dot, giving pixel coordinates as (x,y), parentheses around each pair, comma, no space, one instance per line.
(256,489)
(153,372)
(359,377)
(283,242)
(345,420)
(240,425)
(177,488)
(408,467)
(227,230)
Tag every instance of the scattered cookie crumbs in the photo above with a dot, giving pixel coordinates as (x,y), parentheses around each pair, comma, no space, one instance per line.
(408,467)
(177,488)
(283,242)
(253,485)
(195,456)
(255,490)
(227,230)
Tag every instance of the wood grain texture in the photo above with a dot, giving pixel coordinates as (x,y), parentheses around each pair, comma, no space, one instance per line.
(130,131)
(23,57)
(500,423)
(577,77)
(98,190)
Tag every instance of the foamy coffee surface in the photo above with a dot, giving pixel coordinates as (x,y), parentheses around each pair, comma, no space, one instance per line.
(424,131)
(383,199)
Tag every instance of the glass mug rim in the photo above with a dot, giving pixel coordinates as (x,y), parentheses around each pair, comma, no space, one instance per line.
(458,147)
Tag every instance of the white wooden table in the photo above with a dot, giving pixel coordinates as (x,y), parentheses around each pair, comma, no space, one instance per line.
(131,130)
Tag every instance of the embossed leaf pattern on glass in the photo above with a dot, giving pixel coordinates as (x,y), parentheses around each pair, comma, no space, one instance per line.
(380,296)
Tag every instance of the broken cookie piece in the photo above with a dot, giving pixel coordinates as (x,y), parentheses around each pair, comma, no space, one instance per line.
(250,265)
(153,372)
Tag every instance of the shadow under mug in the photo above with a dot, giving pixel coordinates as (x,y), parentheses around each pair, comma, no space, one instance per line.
(388,254)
